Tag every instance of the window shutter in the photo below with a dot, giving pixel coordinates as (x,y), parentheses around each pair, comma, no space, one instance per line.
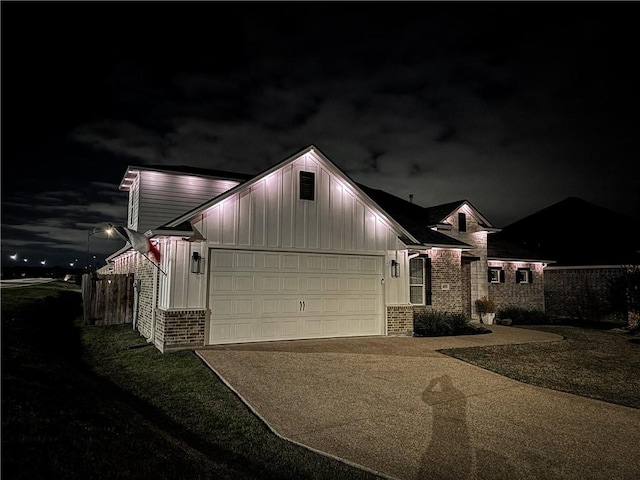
(489,275)
(427,282)
(501,276)
(530,276)
(518,276)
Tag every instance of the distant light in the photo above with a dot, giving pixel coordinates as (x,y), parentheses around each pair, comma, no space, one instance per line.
(25,259)
(42,262)
(14,256)
(71,264)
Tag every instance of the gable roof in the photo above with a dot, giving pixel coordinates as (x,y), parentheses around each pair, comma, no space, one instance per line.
(576,232)
(311,148)
(414,232)
(439,213)
(411,216)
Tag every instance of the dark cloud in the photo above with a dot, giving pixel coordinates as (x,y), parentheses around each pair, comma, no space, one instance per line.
(512,106)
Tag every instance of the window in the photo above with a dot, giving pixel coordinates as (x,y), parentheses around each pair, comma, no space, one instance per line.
(307,186)
(495,275)
(523,275)
(420,281)
(462,222)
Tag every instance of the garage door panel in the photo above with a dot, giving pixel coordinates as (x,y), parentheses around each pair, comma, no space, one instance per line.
(242,331)
(258,296)
(289,329)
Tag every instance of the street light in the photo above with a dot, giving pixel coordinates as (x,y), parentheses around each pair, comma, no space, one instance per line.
(90,234)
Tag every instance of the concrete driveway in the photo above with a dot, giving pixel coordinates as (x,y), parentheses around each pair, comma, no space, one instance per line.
(396,407)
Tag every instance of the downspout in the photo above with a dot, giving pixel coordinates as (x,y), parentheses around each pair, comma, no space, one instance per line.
(154,305)
(136,302)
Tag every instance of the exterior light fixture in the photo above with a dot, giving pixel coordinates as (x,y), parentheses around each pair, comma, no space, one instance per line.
(395,269)
(196,260)
(14,256)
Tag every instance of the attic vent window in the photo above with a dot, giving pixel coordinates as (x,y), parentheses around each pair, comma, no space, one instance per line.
(462,222)
(307,186)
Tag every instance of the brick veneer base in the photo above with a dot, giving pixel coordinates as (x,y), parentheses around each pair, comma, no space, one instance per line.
(399,320)
(179,329)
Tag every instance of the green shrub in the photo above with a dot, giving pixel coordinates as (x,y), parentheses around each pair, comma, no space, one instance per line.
(438,324)
(524,316)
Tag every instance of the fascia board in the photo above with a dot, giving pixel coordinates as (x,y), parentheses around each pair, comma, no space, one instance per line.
(130,172)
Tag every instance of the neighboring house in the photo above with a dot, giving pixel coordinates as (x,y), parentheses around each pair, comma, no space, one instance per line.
(298,251)
(593,247)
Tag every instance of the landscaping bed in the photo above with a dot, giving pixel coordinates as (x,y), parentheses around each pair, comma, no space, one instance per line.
(600,364)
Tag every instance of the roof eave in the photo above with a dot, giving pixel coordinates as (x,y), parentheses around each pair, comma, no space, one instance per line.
(521,260)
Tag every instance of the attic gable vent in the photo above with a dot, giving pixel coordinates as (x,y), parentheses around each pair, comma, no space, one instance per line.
(307,186)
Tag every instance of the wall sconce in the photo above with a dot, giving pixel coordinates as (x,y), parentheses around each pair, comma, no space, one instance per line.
(395,269)
(196,259)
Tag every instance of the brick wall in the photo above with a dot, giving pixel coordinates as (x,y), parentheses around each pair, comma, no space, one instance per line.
(466,288)
(446,281)
(400,320)
(145,272)
(179,329)
(512,294)
(581,292)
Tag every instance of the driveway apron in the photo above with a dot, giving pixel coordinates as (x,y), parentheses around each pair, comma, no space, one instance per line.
(397,407)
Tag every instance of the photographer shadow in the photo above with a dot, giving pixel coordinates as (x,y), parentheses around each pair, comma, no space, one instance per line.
(450,453)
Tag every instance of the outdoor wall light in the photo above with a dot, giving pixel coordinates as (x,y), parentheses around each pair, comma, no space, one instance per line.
(196,259)
(395,269)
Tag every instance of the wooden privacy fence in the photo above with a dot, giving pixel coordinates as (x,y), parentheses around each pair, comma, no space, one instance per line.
(107,299)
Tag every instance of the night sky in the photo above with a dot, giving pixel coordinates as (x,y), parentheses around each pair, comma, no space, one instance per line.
(513,106)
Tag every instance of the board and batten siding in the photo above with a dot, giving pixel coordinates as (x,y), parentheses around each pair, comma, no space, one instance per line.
(164,196)
(270,215)
(180,288)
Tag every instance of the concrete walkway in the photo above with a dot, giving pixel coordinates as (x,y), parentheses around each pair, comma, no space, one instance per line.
(395,406)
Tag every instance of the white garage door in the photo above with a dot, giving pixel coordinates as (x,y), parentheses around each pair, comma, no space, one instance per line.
(259,296)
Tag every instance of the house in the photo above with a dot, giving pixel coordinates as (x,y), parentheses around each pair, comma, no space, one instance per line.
(587,265)
(299,251)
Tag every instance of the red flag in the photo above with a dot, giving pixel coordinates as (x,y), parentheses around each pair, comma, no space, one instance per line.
(138,241)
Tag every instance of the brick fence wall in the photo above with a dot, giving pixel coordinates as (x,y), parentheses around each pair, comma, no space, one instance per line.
(581,292)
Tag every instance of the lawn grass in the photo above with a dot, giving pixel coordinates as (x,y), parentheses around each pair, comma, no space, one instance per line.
(79,402)
(592,363)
